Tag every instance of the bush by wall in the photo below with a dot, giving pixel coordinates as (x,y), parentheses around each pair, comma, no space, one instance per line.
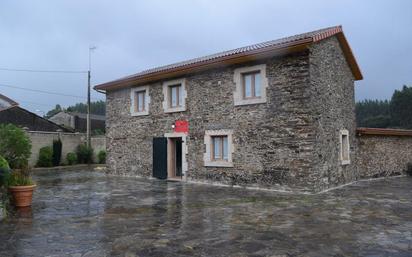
(57,152)
(84,154)
(101,157)
(15,145)
(71,158)
(45,157)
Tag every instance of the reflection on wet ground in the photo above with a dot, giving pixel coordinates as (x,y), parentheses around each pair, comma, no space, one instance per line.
(89,214)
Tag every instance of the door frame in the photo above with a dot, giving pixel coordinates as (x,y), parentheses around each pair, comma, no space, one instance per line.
(171,152)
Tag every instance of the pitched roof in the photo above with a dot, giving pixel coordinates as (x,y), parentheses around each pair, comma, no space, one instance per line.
(6,102)
(238,55)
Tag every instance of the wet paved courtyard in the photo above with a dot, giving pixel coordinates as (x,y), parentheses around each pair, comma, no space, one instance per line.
(89,214)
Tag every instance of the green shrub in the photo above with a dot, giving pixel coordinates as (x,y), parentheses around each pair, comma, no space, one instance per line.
(71,158)
(3,163)
(409,169)
(57,152)
(4,170)
(18,179)
(45,157)
(101,156)
(15,145)
(84,154)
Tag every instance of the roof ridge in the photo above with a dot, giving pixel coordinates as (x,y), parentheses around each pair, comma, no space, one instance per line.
(223,53)
(259,50)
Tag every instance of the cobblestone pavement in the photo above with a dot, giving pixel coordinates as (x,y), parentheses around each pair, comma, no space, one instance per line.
(88,214)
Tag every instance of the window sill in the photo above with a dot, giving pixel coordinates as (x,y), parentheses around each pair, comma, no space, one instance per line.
(176,109)
(140,113)
(345,162)
(250,101)
(218,164)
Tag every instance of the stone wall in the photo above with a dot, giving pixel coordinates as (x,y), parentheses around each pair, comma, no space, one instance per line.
(69,143)
(333,103)
(383,155)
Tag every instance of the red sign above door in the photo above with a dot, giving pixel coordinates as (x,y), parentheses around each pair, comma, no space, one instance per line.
(182,126)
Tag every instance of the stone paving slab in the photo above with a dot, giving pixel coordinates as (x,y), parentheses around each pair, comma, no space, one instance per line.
(84,213)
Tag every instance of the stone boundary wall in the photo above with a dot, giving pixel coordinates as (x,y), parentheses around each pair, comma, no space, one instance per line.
(383,152)
(70,141)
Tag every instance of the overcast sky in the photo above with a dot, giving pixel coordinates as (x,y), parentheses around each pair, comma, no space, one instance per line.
(134,35)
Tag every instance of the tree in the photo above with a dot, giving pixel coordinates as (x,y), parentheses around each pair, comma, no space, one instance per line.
(98,107)
(373,113)
(54,111)
(401,108)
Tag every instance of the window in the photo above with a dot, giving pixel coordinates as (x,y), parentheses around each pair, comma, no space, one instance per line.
(344,147)
(174,96)
(139,105)
(251,84)
(219,148)
(139,101)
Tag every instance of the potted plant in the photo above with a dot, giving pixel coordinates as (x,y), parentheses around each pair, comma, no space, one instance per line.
(15,148)
(21,187)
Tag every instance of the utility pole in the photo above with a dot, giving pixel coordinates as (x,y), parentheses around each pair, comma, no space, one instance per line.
(91,48)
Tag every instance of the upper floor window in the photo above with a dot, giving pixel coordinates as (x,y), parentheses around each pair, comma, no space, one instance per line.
(139,101)
(251,84)
(139,97)
(174,95)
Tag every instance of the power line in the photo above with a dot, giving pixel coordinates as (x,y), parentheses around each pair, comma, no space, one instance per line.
(43,71)
(34,103)
(44,92)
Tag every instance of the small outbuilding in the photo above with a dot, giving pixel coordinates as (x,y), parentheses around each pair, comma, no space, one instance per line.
(11,112)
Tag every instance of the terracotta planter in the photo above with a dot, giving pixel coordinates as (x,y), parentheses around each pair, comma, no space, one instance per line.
(22,195)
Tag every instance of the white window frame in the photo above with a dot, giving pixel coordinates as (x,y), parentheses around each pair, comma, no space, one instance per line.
(344,147)
(207,157)
(133,91)
(166,96)
(238,79)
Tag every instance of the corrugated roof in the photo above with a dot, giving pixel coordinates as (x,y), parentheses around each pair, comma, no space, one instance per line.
(291,41)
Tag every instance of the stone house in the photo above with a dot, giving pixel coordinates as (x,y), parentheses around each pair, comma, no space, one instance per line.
(277,115)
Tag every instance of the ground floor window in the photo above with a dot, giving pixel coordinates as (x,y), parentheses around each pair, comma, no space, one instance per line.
(344,147)
(219,148)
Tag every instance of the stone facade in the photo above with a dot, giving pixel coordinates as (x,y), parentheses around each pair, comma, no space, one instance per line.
(333,109)
(383,155)
(291,142)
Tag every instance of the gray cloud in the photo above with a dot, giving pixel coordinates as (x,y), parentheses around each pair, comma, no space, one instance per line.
(136,35)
